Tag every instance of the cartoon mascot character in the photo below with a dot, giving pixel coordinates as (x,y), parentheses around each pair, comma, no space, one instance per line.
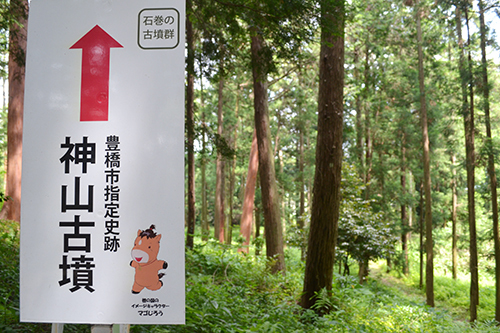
(144,253)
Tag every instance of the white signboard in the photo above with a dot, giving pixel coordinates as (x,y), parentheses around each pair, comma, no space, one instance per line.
(102,216)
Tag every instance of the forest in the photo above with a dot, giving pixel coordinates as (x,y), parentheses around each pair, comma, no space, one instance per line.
(341,167)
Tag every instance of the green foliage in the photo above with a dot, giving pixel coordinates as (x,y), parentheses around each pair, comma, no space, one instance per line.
(231,292)
(9,286)
(9,259)
(362,234)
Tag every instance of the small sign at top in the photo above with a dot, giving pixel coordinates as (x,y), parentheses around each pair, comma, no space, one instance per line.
(158,28)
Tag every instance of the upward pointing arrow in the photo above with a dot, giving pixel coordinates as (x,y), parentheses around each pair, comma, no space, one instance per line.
(95,45)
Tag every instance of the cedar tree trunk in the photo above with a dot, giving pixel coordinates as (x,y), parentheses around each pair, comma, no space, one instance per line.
(247,211)
(270,199)
(429,265)
(219,216)
(454,205)
(11,209)
(327,178)
(468,115)
(491,160)
(190,130)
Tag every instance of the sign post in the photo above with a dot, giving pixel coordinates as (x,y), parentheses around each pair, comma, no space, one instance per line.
(102,214)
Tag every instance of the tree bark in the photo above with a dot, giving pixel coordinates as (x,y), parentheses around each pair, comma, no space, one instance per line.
(468,115)
(205,228)
(491,160)
(359,126)
(219,216)
(471,183)
(404,216)
(302,204)
(325,207)
(363,271)
(429,267)
(454,204)
(270,199)
(421,227)
(190,129)
(247,211)
(11,209)
(228,222)
(368,134)
(232,176)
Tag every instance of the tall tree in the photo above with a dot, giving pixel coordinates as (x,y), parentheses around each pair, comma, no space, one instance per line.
(404,217)
(429,267)
(269,190)
(470,166)
(421,220)
(327,179)
(190,126)
(491,160)
(468,117)
(17,54)
(219,215)
(301,183)
(367,126)
(233,143)
(205,228)
(454,205)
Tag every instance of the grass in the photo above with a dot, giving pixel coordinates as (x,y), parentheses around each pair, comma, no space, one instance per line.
(231,292)
(450,294)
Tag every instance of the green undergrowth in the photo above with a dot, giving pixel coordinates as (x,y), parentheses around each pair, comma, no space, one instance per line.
(450,294)
(9,282)
(230,292)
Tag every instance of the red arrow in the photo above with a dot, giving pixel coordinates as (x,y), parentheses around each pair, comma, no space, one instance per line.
(95,45)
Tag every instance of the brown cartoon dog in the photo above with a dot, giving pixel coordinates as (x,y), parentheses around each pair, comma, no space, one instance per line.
(144,255)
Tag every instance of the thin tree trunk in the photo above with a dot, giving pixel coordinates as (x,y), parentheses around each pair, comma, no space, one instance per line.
(309,182)
(363,271)
(257,216)
(232,177)
(302,201)
(421,226)
(11,209)
(248,201)
(404,217)
(300,160)
(325,207)
(302,209)
(359,126)
(283,216)
(491,160)
(468,114)
(429,267)
(219,216)
(190,130)
(229,203)
(367,128)
(205,228)
(454,204)
(471,164)
(270,199)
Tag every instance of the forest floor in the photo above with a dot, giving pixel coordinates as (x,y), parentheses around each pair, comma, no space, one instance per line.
(406,289)
(396,283)
(230,293)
